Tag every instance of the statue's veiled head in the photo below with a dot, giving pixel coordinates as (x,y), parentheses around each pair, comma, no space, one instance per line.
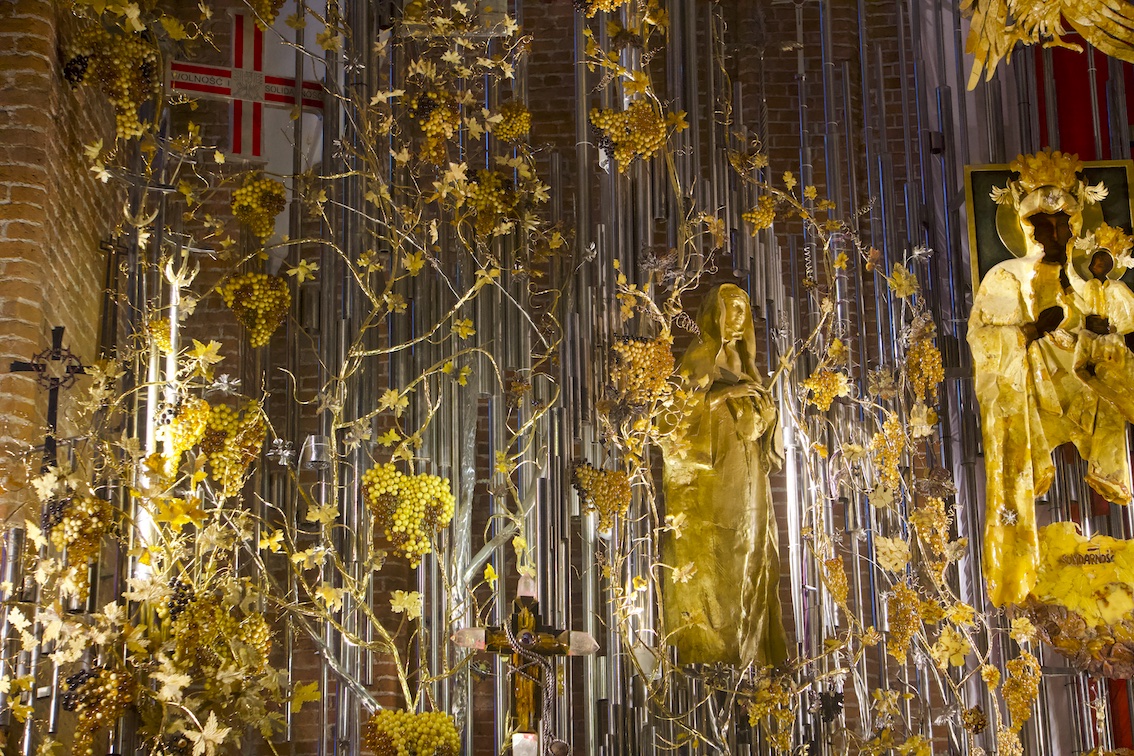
(1052,232)
(725,322)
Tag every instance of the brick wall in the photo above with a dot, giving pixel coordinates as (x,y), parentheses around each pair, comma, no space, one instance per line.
(53,213)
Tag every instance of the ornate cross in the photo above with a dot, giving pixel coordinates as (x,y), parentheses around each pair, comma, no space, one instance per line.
(55,368)
(245,84)
(532,646)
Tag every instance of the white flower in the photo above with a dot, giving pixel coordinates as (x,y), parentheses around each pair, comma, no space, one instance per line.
(685,573)
(676,523)
(148,589)
(173,684)
(893,553)
(1001,195)
(1096,193)
(207,740)
(881,497)
(331,596)
(408,602)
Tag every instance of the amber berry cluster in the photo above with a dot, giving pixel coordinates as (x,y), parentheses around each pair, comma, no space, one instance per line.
(233,439)
(257,203)
(515,121)
(123,64)
(98,697)
(80,527)
(640,368)
(604,491)
(407,733)
(638,131)
(924,368)
(763,215)
(266,11)
(259,301)
(187,426)
(408,508)
(489,196)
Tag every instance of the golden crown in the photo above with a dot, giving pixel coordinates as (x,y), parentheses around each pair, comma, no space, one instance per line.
(1048,168)
(1113,239)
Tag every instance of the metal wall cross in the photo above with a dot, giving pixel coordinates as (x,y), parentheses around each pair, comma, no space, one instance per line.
(532,646)
(55,368)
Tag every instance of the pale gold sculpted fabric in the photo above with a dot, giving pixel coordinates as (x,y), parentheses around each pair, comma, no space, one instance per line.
(716,480)
(1020,387)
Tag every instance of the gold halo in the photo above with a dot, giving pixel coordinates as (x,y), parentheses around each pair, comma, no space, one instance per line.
(1081,259)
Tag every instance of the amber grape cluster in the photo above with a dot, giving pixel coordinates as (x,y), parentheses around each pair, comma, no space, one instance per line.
(924,368)
(489,196)
(515,122)
(640,368)
(232,440)
(888,445)
(198,632)
(591,7)
(80,528)
(437,114)
(763,215)
(123,64)
(407,733)
(99,697)
(266,11)
(604,491)
(905,620)
(257,203)
(408,508)
(187,426)
(1021,688)
(158,330)
(207,637)
(824,386)
(259,301)
(638,131)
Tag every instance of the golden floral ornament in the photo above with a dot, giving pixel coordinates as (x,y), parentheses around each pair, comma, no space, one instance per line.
(1083,602)
(1047,168)
(996,27)
(1048,182)
(950,649)
(893,554)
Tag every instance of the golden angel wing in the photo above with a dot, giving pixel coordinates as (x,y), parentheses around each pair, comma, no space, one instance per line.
(990,38)
(1107,24)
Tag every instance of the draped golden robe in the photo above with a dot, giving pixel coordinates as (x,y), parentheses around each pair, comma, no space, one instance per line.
(716,479)
(1025,392)
(1106,367)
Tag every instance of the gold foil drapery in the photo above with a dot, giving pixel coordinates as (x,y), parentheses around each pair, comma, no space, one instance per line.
(716,480)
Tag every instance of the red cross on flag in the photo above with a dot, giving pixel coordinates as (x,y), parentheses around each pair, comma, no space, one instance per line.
(245,84)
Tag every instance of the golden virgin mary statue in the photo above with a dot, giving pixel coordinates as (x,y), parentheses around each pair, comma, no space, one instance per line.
(1040,336)
(717,461)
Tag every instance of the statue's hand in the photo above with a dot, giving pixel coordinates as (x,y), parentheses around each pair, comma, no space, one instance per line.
(1098,324)
(737,391)
(1047,322)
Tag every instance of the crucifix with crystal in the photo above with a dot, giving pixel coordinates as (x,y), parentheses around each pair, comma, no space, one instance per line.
(55,368)
(244,84)
(528,641)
